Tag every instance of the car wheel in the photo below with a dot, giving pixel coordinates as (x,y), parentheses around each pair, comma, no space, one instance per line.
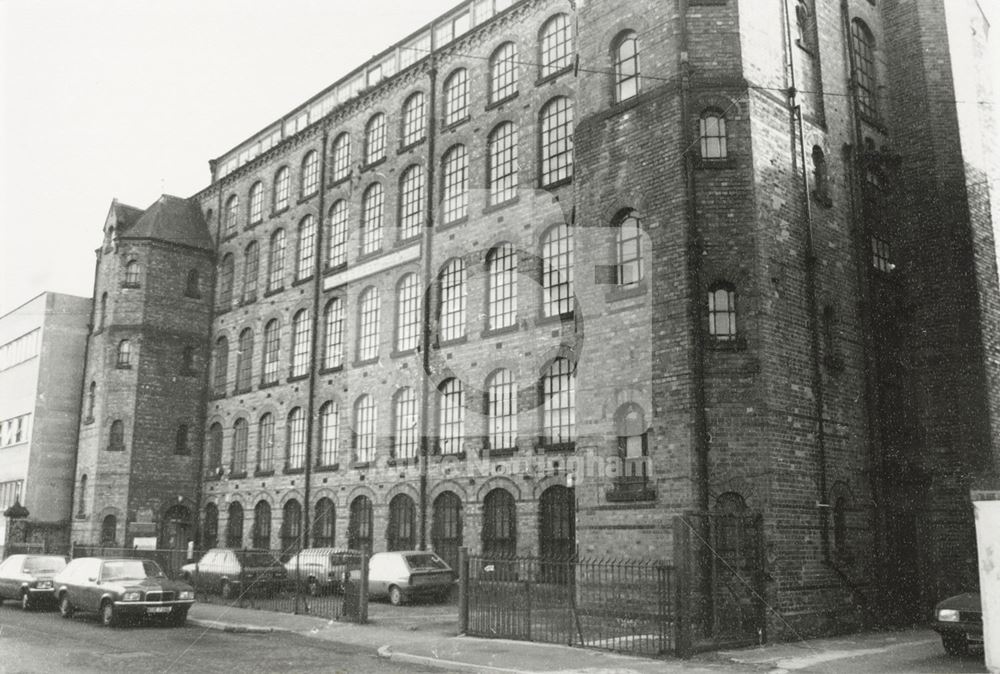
(66,609)
(26,603)
(178,618)
(395,596)
(227,590)
(955,644)
(313,587)
(109,617)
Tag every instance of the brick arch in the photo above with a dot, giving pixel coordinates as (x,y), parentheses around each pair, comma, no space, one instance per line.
(258,497)
(731,107)
(547,481)
(233,498)
(840,488)
(620,24)
(613,210)
(324,492)
(402,488)
(494,482)
(291,494)
(739,485)
(550,355)
(447,485)
(361,490)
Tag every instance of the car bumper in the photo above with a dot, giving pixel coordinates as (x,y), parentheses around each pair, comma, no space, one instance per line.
(973,631)
(40,594)
(153,608)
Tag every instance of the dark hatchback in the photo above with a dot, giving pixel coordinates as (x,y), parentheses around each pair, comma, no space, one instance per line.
(117,589)
(959,621)
(234,572)
(28,578)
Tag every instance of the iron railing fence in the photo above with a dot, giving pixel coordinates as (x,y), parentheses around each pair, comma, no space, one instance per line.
(623,605)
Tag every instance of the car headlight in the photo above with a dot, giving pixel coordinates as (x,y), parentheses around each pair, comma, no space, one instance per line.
(187,594)
(947,615)
(44,585)
(132,596)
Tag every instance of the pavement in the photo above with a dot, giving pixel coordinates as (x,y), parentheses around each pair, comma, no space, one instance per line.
(427,635)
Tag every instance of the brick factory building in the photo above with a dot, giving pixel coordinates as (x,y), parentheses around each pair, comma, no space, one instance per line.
(546,275)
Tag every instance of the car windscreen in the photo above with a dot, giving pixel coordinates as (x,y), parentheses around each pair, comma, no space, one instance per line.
(44,564)
(425,561)
(256,559)
(130,569)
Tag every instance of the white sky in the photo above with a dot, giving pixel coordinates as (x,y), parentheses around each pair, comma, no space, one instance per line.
(131,98)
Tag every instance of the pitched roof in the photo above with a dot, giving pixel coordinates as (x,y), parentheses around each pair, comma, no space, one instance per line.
(170,219)
(124,215)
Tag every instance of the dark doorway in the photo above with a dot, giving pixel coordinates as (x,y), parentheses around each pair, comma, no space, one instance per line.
(446,532)
(557,534)
(176,528)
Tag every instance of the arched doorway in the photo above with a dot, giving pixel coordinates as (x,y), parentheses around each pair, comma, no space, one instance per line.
(176,528)
(557,533)
(446,531)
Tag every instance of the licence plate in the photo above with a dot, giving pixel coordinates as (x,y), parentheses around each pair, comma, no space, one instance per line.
(158,609)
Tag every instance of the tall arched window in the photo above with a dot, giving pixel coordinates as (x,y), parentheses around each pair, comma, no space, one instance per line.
(241,436)
(455,184)
(262,525)
(556,45)
(192,286)
(181,446)
(502,176)
(291,527)
(234,526)
(132,271)
(81,508)
(116,437)
(281,184)
(456,96)
(256,203)
(103,314)
(265,443)
(865,82)
(630,425)
(557,271)
(251,272)
(802,32)
(499,524)
(557,140)
(451,416)
(375,139)
(300,343)
(296,429)
(626,64)
(372,208)
(365,420)
(404,424)
(91,400)
(821,177)
(337,245)
(629,251)
(109,531)
(324,519)
(244,360)
(333,334)
(213,461)
(310,173)
(187,360)
(269,366)
(340,160)
(220,365)
(210,527)
(329,433)
(224,300)
(712,132)
(453,300)
(446,528)
(402,520)
(232,215)
(411,202)
(307,248)
(559,403)
(359,526)
(408,298)
(501,264)
(730,506)
(414,118)
(368,319)
(276,261)
(722,312)
(501,392)
(503,72)
(124,354)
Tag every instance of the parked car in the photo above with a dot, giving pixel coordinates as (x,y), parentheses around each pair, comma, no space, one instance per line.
(959,621)
(28,578)
(120,588)
(407,574)
(320,569)
(232,572)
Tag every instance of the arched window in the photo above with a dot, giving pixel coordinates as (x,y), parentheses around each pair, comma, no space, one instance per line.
(499,525)
(359,526)
(408,298)
(333,334)
(712,131)
(414,118)
(296,444)
(722,312)
(265,443)
(821,184)
(103,315)
(132,271)
(456,97)
(629,255)
(124,354)
(262,526)
(865,82)
(556,45)
(365,420)
(91,400)
(256,203)
(192,286)
(503,72)
(446,528)
(340,160)
(310,173)
(307,248)
(244,359)
(501,410)
(451,417)
(269,366)
(116,437)
(501,263)
(502,176)
(109,531)
(368,318)
(626,65)
(840,526)
(234,526)
(411,202)
(220,362)
(453,300)
(300,343)
(337,246)
(728,529)
(181,440)
(224,300)
(632,431)
(251,272)
(372,207)
(281,188)
(404,424)
(557,271)
(329,433)
(240,438)
(375,139)
(802,14)
(210,527)
(324,518)
(557,140)
(276,262)
(559,403)
(81,508)
(231,217)
(213,461)
(455,184)
(291,527)
(402,519)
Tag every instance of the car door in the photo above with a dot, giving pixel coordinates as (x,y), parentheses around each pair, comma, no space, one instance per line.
(9,570)
(91,589)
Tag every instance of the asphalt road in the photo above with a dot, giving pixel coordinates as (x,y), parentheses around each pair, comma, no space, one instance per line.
(45,642)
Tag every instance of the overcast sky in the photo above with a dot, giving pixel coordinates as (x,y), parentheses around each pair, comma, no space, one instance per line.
(131,98)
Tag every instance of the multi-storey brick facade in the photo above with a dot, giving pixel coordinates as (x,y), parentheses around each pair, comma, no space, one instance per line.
(694,255)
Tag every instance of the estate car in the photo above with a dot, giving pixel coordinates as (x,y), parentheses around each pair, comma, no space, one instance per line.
(28,578)
(233,572)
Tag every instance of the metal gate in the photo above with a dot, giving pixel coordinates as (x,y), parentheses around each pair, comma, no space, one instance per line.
(720,558)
